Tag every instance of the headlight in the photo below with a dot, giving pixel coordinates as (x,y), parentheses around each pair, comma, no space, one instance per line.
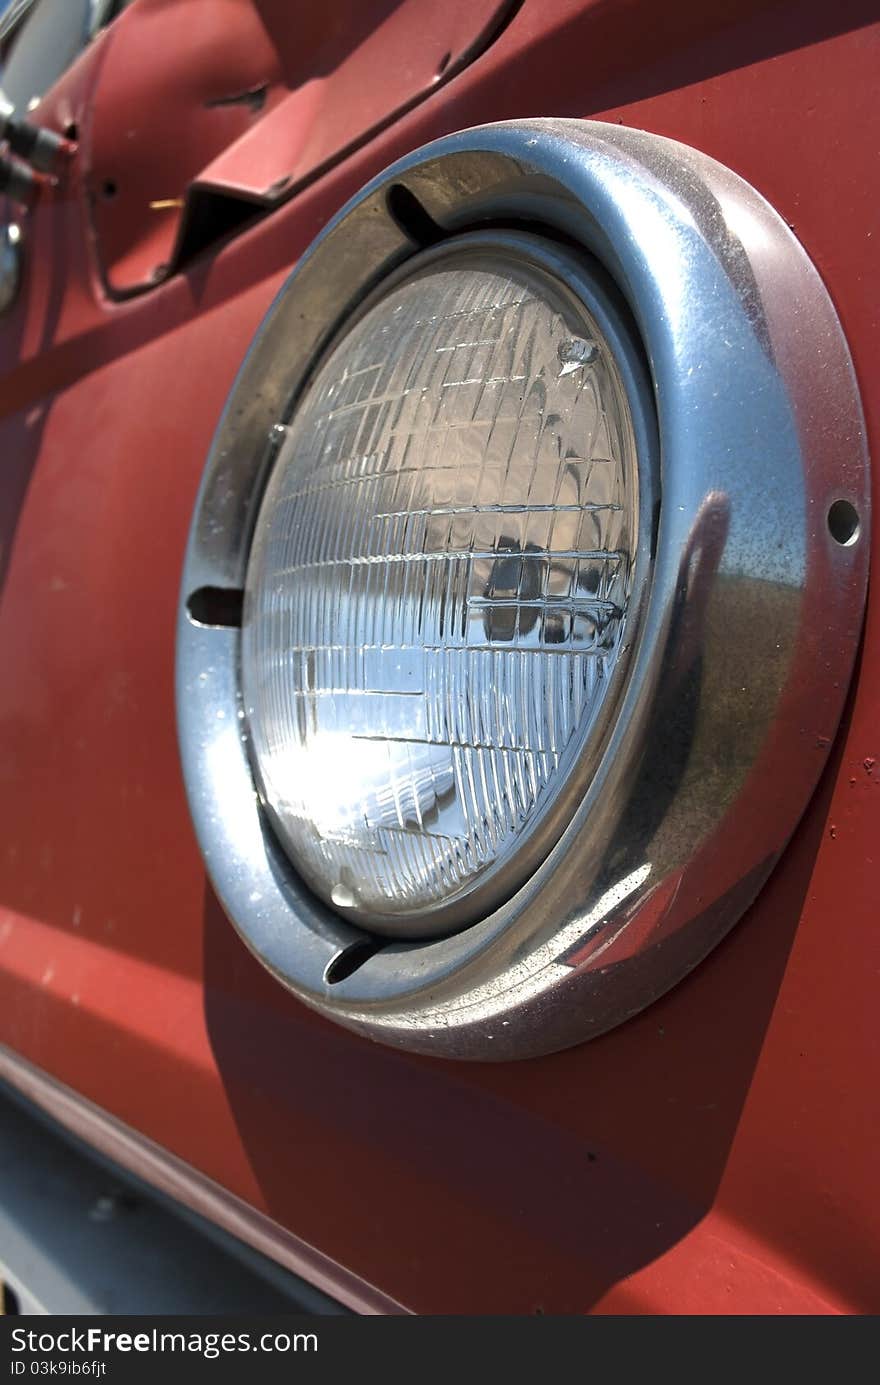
(438,589)
(538,492)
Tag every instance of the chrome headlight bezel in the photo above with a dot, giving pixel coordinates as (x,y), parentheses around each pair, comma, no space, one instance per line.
(760,434)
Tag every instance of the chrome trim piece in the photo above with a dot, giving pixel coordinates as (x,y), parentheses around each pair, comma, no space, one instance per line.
(81,1235)
(10,264)
(745,647)
(186,1185)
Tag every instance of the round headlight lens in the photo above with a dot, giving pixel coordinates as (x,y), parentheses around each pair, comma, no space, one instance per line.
(437,593)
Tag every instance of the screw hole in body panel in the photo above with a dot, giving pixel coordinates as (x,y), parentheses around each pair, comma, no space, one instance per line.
(843,523)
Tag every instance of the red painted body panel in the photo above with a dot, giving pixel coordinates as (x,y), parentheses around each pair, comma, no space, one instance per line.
(248,98)
(717,1153)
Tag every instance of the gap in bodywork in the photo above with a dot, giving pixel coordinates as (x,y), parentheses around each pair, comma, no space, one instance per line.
(254,98)
(350,959)
(407,212)
(216,606)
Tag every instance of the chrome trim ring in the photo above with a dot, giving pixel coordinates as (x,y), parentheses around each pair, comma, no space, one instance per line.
(746,640)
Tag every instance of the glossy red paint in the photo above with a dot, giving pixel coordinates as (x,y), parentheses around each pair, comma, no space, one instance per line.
(713,1155)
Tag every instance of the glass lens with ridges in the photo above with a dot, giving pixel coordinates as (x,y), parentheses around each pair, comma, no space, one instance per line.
(437,593)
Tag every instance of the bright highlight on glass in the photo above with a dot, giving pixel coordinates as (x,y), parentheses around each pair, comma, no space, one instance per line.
(437,593)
